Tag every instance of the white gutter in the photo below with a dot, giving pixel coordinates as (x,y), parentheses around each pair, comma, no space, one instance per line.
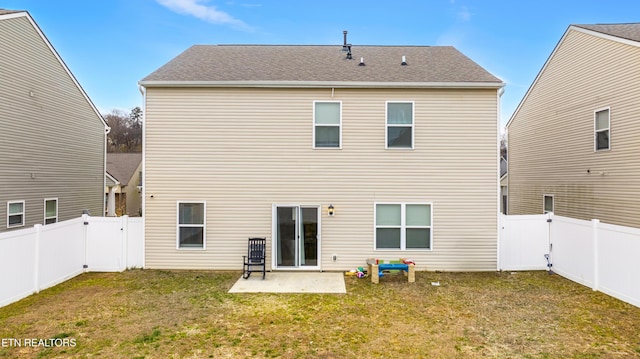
(499,196)
(322,84)
(143,193)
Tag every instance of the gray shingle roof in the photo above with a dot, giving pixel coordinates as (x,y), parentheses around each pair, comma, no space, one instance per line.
(5,11)
(302,63)
(630,31)
(503,167)
(122,166)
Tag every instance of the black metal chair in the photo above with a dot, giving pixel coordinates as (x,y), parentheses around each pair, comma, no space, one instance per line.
(255,257)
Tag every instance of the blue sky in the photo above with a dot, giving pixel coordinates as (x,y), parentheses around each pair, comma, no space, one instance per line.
(110,45)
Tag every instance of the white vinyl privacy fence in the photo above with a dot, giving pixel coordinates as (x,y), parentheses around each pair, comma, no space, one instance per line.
(601,256)
(598,255)
(36,258)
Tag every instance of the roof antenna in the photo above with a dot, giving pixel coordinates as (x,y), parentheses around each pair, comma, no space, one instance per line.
(346,47)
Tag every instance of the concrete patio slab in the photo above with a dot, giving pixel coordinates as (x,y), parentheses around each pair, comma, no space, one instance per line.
(292,282)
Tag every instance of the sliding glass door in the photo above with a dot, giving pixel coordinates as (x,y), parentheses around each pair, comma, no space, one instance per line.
(296,234)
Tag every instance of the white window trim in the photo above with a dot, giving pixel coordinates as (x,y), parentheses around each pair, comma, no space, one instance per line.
(339,125)
(403,227)
(387,125)
(203,225)
(45,210)
(553,203)
(24,214)
(595,131)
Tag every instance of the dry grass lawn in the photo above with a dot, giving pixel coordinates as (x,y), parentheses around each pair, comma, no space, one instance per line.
(184,314)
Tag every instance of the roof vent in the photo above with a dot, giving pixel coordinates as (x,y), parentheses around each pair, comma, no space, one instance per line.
(361,62)
(346,47)
(404,61)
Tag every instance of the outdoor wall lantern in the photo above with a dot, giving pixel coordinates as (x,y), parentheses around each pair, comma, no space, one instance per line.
(330,210)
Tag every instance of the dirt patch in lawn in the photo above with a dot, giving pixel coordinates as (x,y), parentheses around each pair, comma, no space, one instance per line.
(187,314)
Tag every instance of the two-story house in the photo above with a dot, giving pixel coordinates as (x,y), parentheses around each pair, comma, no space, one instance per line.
(573,140)
(334,154)
(52,138)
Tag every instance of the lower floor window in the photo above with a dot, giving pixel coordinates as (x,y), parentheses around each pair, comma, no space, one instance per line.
(50,211)
(191,225)
(15,214)
(403,226)
(547,203)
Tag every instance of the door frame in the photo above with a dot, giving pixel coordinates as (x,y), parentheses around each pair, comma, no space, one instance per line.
(274,236)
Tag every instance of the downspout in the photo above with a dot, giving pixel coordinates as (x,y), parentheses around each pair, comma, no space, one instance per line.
(549,256)
(143,183)
(107,130)
(498,197)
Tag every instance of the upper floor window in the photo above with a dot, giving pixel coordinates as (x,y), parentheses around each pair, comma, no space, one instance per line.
(602,130)
(15,214)
(191,225)
(399,125)
(327,120)
(50,210)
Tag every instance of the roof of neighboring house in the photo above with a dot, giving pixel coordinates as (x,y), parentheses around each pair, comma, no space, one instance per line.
(122,166)
(293,65)
(5,11)
(109,181)
(503,167)
(630,31)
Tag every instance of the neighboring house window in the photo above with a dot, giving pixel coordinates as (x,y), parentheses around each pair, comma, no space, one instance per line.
(548,203)
(50,210)
(403,226)
(327,119)
(602,130)
(399,125)
(191,225)
(15,214)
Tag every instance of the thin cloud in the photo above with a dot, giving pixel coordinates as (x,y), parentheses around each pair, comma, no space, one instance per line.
(464,14)
(209,13)
(458,33)
(453,37)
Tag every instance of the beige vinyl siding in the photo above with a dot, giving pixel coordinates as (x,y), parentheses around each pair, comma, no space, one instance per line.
(551,137)
(244,150)
(52,143)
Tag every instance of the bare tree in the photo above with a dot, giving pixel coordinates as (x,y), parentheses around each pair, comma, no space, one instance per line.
(126,131)
(503,145)
(135,130)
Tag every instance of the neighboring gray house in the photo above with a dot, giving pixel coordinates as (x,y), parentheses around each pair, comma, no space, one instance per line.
(52,138)
(574,140)
(393,153)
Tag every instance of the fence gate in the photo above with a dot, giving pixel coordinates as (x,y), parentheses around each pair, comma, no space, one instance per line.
(524,240)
